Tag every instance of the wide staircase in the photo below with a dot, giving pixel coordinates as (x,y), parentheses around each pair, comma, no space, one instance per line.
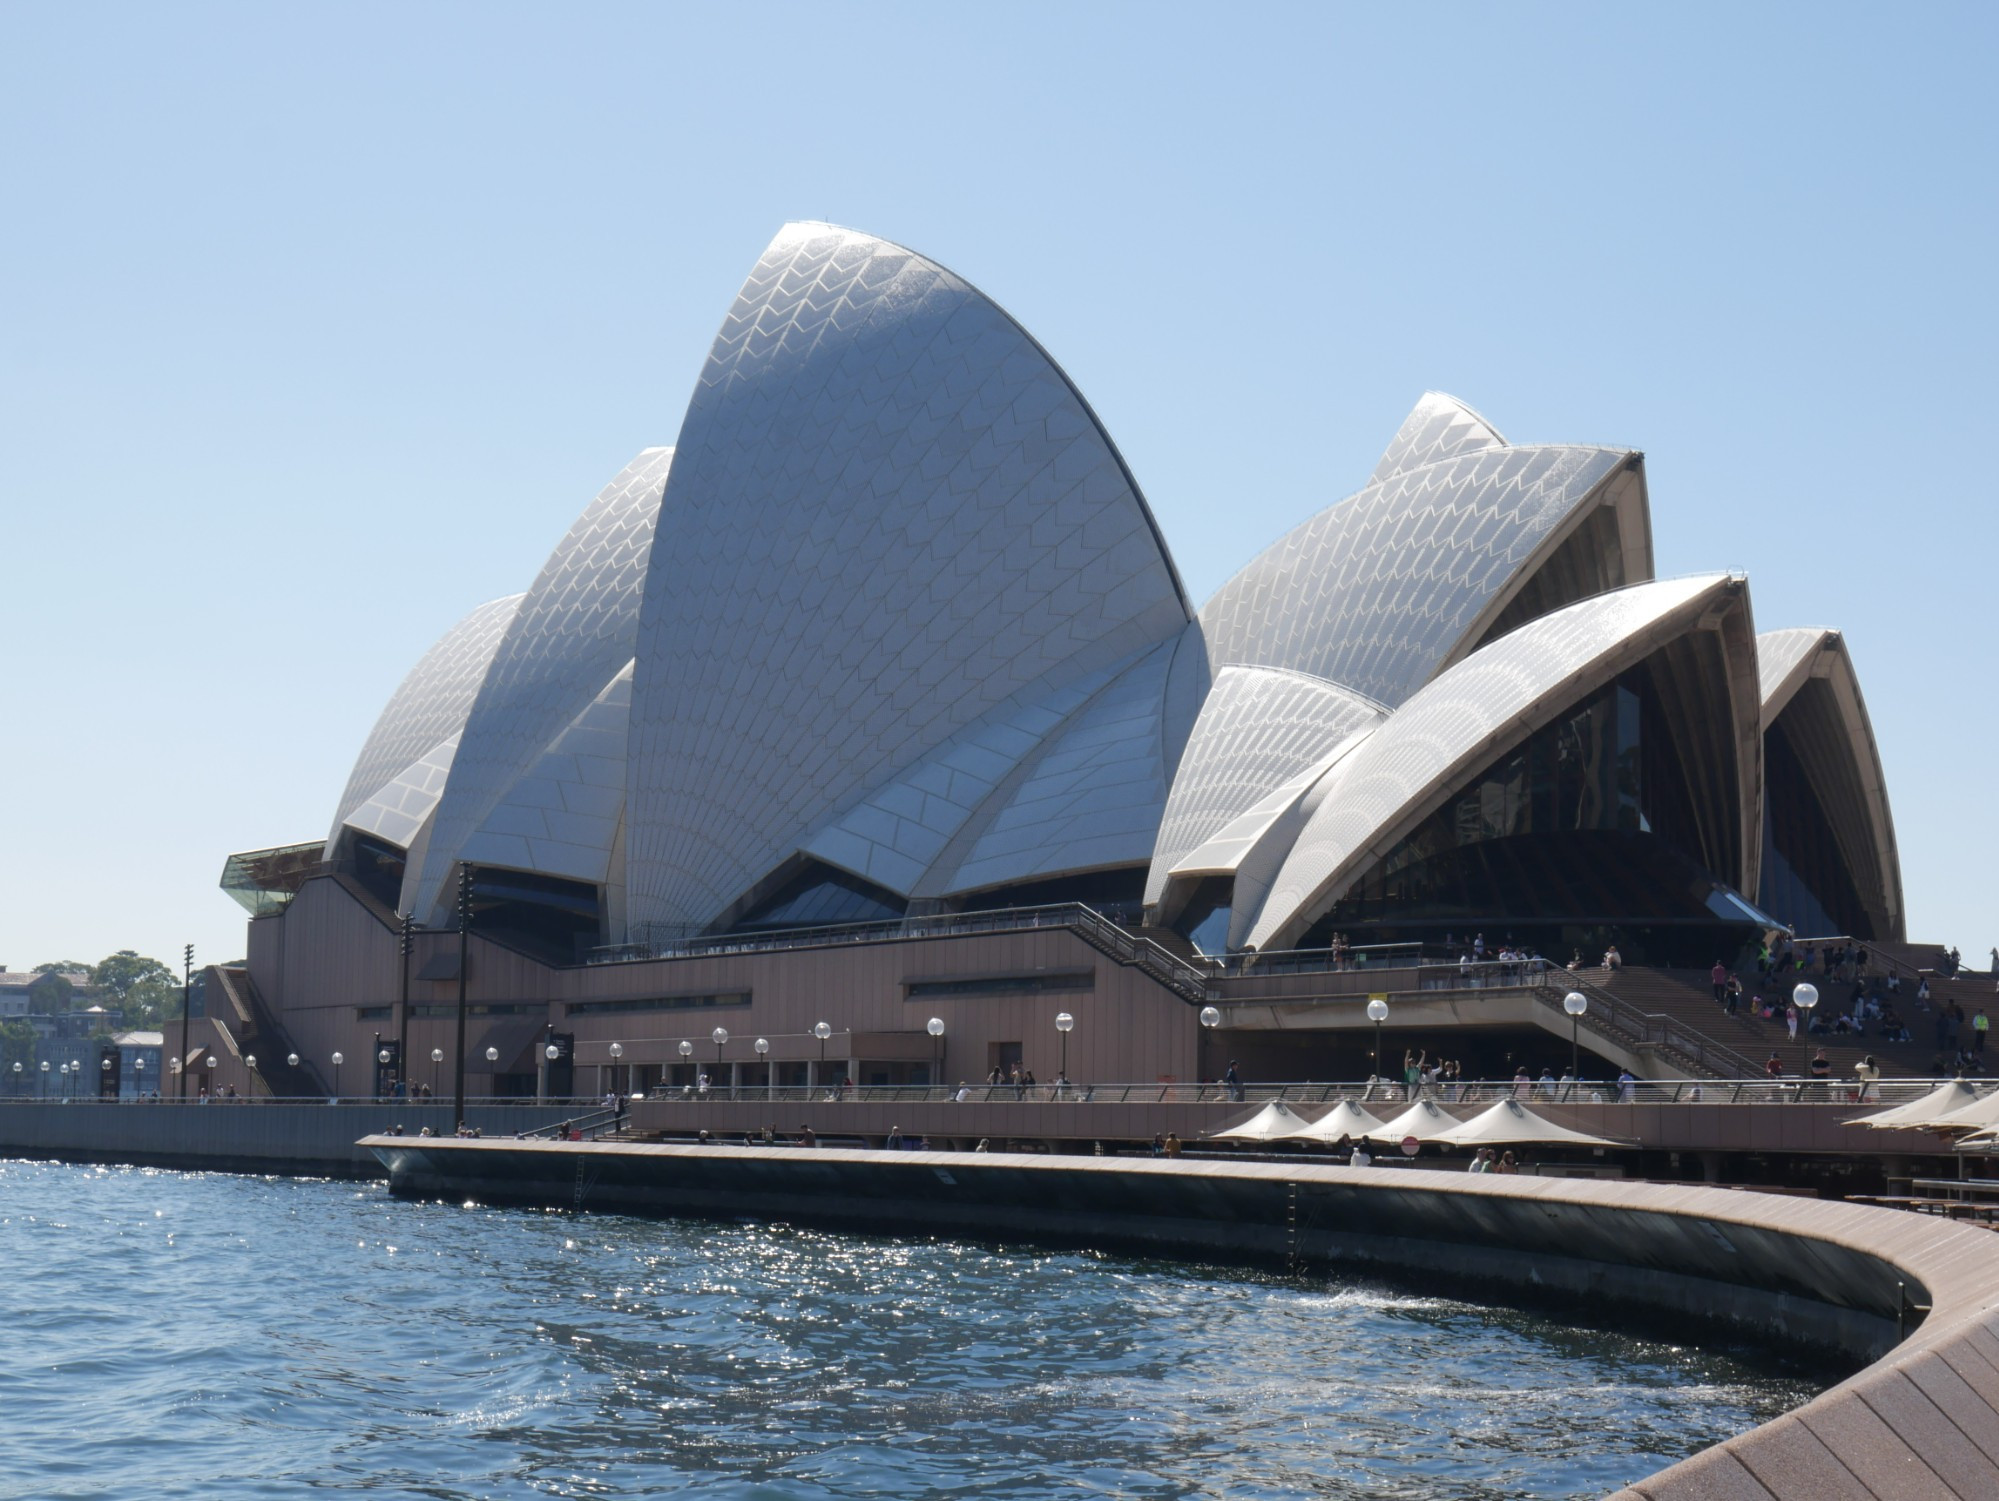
(1687,996)
(250,1020)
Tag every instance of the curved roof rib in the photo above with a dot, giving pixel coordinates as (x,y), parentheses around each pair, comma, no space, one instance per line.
(1092,796)
(1259,729)
(562,817)
(1381,591)
(1437,427)
(430,705)
(1407,769)
(1809,683)
(891,514)
(573,633)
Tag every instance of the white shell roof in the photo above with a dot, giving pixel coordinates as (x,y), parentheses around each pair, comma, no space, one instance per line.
(1864,826)
(891,514)
(400,808)
(1259,729)
(1784,661)
(1376,592)
(1438,427)
(1493,698)
(1093,795)
(903,831)
(562,818)
(428,706)
(572,634)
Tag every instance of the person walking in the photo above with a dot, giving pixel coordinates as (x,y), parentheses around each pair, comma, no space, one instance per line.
(1980,1025)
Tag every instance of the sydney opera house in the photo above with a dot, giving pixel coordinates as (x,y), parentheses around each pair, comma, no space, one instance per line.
(877,697)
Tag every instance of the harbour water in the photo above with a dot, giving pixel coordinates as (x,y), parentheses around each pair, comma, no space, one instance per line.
(200,1335)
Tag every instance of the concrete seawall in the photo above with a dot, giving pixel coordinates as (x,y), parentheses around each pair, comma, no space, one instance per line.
(1921,1421)
(311,1138)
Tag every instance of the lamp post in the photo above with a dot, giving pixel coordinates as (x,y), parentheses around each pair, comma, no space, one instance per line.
(1211,1018)
(186,990)
(464,953)
(17,1078)
(549,1054)
(212,1061)
(1065,1024)
(62,1085)
(763,1057)
(250,1068)
(935,1027)
(103,1074)
(436,1061)
(173,1066)
(138,1068)
(1575,1003)
(822,1031)
(1804,998)
(406,941)
(719,1036)
(45,1079)
(618,1051)
(686,1049)
(1377,1012)
(338,1059)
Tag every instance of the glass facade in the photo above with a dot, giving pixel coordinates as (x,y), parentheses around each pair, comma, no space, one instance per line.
(820,896)
(1586,833)
(1806,882)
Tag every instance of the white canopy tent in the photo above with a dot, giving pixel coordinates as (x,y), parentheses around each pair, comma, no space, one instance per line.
(1424,1120)
(1511,1123)
(1345,1119)
(1934,1109)
(1273,1122)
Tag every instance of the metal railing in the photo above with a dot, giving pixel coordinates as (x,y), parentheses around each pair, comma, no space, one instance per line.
(1189,981)
(1759,1091)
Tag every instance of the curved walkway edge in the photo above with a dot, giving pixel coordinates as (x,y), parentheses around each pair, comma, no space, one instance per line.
(1920,1421)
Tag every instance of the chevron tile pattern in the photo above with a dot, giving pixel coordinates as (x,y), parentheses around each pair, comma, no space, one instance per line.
(1439,427)
(1259,728)
(1092,798)
(561,819)
(890,515)
(398,810)
(1374,592)
(572,634)
(429,705)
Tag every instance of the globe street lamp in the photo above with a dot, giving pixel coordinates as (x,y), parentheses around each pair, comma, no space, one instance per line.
(103,1074)
(45,1076)
(250,1066)
(763,1057)
(173,1067)
(1065,1024)
(719,1036)
(1575,1003)
(138,1067)
(935,1027)
(686,1049)
(618,1051)
(63,1085)
(436,1059)
(822,1031)
(212,1061)
(1377,1012)
(382,1057)
(338,1059)
(17,1078)
(1804,998)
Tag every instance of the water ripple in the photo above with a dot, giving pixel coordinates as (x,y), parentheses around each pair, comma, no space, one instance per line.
(194,1335)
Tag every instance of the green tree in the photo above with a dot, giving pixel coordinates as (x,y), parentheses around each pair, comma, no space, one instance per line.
(144,989)
(17,1045)
(51,993)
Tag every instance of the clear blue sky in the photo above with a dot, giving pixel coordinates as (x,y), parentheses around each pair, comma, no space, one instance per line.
(319,324)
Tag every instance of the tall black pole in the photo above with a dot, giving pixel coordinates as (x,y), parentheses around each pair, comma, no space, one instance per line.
(1575,1050)
(1377,1050)
(403,1019)
(186,991)
(464,947)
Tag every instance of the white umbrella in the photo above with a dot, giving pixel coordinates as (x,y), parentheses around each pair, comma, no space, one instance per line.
(1980,1114)
(1273,1122)
(1510,1122)
(1422,1120)
(1932,1109)
(1345,1119)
